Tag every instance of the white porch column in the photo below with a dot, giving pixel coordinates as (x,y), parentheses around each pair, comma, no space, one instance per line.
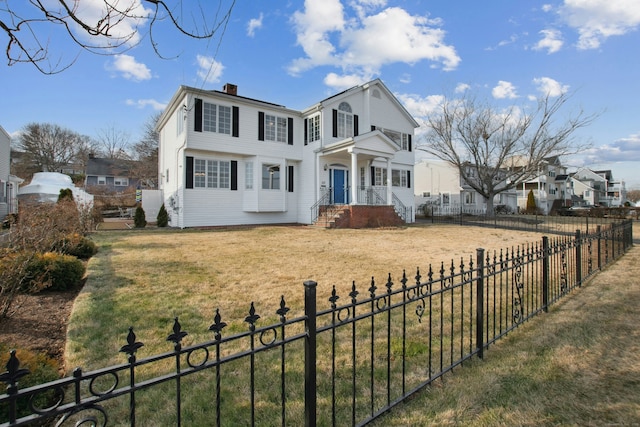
(389,187)
(354,178)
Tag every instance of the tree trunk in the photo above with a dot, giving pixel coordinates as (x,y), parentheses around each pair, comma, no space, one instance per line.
(491,212)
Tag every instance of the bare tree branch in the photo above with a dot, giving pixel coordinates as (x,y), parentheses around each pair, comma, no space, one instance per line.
(495,150)
(106,27)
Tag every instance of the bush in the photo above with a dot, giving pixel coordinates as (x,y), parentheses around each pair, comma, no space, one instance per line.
(41,368)
(77,246)
(163,217)
(139,219)
(53,271)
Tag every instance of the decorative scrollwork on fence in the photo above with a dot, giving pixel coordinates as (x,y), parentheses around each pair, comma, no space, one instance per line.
(95,416)
(421,309)
(563,273)
(518,283)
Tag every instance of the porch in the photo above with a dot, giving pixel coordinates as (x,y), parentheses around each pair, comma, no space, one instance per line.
(335,208)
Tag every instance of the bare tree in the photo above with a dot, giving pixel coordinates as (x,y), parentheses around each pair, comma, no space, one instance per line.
(494,150)
(48,147)
(105,27)
(114,143)
(146,153)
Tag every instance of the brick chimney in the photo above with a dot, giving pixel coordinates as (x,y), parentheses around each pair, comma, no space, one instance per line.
(230,89)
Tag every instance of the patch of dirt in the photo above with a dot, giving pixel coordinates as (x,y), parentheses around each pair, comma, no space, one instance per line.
(39,323)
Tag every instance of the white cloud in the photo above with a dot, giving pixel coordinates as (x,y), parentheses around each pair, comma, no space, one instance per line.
(130,68)
(420,107)
(209,70)
(461,88)
(504,90)
(254,24)
(346,81)
(597,20)
(551,41)
(622,150)
(142,103)
(369,40)
(547,8)
(123,30)
(550,87)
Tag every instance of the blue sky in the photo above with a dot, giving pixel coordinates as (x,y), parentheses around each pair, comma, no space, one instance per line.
(296,53)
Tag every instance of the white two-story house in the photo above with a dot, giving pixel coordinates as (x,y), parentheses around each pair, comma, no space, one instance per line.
(226,159)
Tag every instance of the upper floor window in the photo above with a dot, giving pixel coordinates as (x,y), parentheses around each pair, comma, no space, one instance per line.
(216,118)
(313,128)
(275,128)
(345,121)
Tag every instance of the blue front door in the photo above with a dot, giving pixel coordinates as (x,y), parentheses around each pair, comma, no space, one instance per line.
(340,186)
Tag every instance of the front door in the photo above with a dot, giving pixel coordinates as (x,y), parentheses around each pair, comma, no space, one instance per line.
(340,186)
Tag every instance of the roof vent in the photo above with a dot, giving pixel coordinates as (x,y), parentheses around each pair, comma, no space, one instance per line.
(230,89)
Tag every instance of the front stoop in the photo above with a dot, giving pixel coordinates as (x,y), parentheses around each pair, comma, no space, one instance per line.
(359,216)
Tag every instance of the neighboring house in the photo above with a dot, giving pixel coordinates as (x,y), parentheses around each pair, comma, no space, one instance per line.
(551,188)
(226,159)
(8,183)
(438,184)
(109,174)
(597,188)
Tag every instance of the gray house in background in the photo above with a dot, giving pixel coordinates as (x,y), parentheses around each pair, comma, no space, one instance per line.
(110,174)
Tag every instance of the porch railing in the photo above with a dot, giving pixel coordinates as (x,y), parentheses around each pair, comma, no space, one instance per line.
(372,196)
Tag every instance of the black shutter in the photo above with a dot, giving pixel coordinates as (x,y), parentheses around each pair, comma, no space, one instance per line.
(235,130)
(234,175)
(335,123)
(189,172)
(198,116)
(290,179)
(355,125)
(290,131)
(373,128)
(306,136)
(408,179)
(409,142)
(373,176)
(260,126)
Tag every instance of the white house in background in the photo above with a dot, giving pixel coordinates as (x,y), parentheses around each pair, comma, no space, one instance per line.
(8,183)
(226,159)
(551,188)
(438,184)
(593,188)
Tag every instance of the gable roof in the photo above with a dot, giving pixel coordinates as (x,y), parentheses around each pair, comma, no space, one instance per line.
(108,167)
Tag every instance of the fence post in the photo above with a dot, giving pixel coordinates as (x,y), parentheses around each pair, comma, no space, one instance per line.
(599,234)
(480,302)
(310,353)
(578,258)
(545,274)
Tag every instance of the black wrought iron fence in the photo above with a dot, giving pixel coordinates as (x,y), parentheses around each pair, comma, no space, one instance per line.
(344,364)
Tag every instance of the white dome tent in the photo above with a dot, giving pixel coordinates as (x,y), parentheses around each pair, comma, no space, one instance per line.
(46,186)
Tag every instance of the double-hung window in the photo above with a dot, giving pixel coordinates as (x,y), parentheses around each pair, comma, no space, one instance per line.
(399,178)
(379,176)
(216,118)
(275,128)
